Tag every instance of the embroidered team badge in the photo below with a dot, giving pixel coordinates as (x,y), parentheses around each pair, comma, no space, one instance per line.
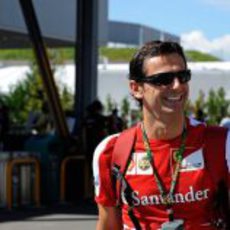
(139,165)
(144,163)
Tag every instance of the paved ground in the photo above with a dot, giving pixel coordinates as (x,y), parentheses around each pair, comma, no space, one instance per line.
(62,217)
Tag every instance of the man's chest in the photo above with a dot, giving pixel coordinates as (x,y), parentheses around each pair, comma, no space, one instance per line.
(193,184)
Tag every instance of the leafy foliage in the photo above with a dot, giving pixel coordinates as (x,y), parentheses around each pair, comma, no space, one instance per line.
(211,109)
(110,104)
(125,107)
(28,95)
(216,106)
(24,96)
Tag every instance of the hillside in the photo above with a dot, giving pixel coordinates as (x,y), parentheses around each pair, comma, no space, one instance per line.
(197,56)
(113,54)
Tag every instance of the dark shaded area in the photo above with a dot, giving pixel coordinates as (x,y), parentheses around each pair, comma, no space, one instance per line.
(81,207)
(13,40)
(75,182)
(51,151)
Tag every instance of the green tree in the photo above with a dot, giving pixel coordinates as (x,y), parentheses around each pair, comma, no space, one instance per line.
(217,105)
(28,95)
(125,107)
(110,104)
(200,102)
(23,97)
(199,107)
(223,104)
(211,106)
(67,98)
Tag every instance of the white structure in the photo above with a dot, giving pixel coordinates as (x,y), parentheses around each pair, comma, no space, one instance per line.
(113,79)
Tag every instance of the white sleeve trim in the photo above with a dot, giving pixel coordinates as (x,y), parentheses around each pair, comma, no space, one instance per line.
(228,150)
(96,156)
(195,122)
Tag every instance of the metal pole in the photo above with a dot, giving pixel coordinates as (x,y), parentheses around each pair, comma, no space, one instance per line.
(44,66)
(86,57)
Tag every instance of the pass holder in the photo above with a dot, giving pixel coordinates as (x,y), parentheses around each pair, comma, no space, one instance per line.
(176,224)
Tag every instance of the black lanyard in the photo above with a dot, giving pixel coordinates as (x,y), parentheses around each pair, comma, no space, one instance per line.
(166,197)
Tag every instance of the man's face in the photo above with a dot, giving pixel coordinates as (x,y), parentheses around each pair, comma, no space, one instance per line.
(164,100)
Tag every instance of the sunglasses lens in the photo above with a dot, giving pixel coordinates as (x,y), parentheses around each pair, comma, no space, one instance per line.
(167,78)
(184,76)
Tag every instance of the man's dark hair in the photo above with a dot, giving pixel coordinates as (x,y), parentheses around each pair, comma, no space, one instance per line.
(152,49)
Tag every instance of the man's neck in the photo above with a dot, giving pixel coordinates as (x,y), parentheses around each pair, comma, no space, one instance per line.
(164,130)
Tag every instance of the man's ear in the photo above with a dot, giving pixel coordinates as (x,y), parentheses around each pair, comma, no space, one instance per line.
(136,89)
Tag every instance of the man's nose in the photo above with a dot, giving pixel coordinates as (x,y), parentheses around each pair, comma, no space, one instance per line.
(176,83)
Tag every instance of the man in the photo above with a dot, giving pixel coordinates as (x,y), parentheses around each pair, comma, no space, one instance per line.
(170,184)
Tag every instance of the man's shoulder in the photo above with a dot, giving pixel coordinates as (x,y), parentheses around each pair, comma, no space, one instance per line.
(106,145)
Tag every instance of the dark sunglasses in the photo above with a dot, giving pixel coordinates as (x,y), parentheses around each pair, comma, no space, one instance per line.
(167,78)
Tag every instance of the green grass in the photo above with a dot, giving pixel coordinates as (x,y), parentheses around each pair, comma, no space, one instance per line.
(196,56)
(117,54)
(113,54)
(16,54)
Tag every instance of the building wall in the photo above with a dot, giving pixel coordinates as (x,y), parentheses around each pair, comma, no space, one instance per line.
(103,21)
(150,34)
(136,34)
(125,33)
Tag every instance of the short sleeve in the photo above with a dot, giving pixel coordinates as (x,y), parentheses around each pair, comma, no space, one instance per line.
(228,154)
(104,192)
(228,151)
